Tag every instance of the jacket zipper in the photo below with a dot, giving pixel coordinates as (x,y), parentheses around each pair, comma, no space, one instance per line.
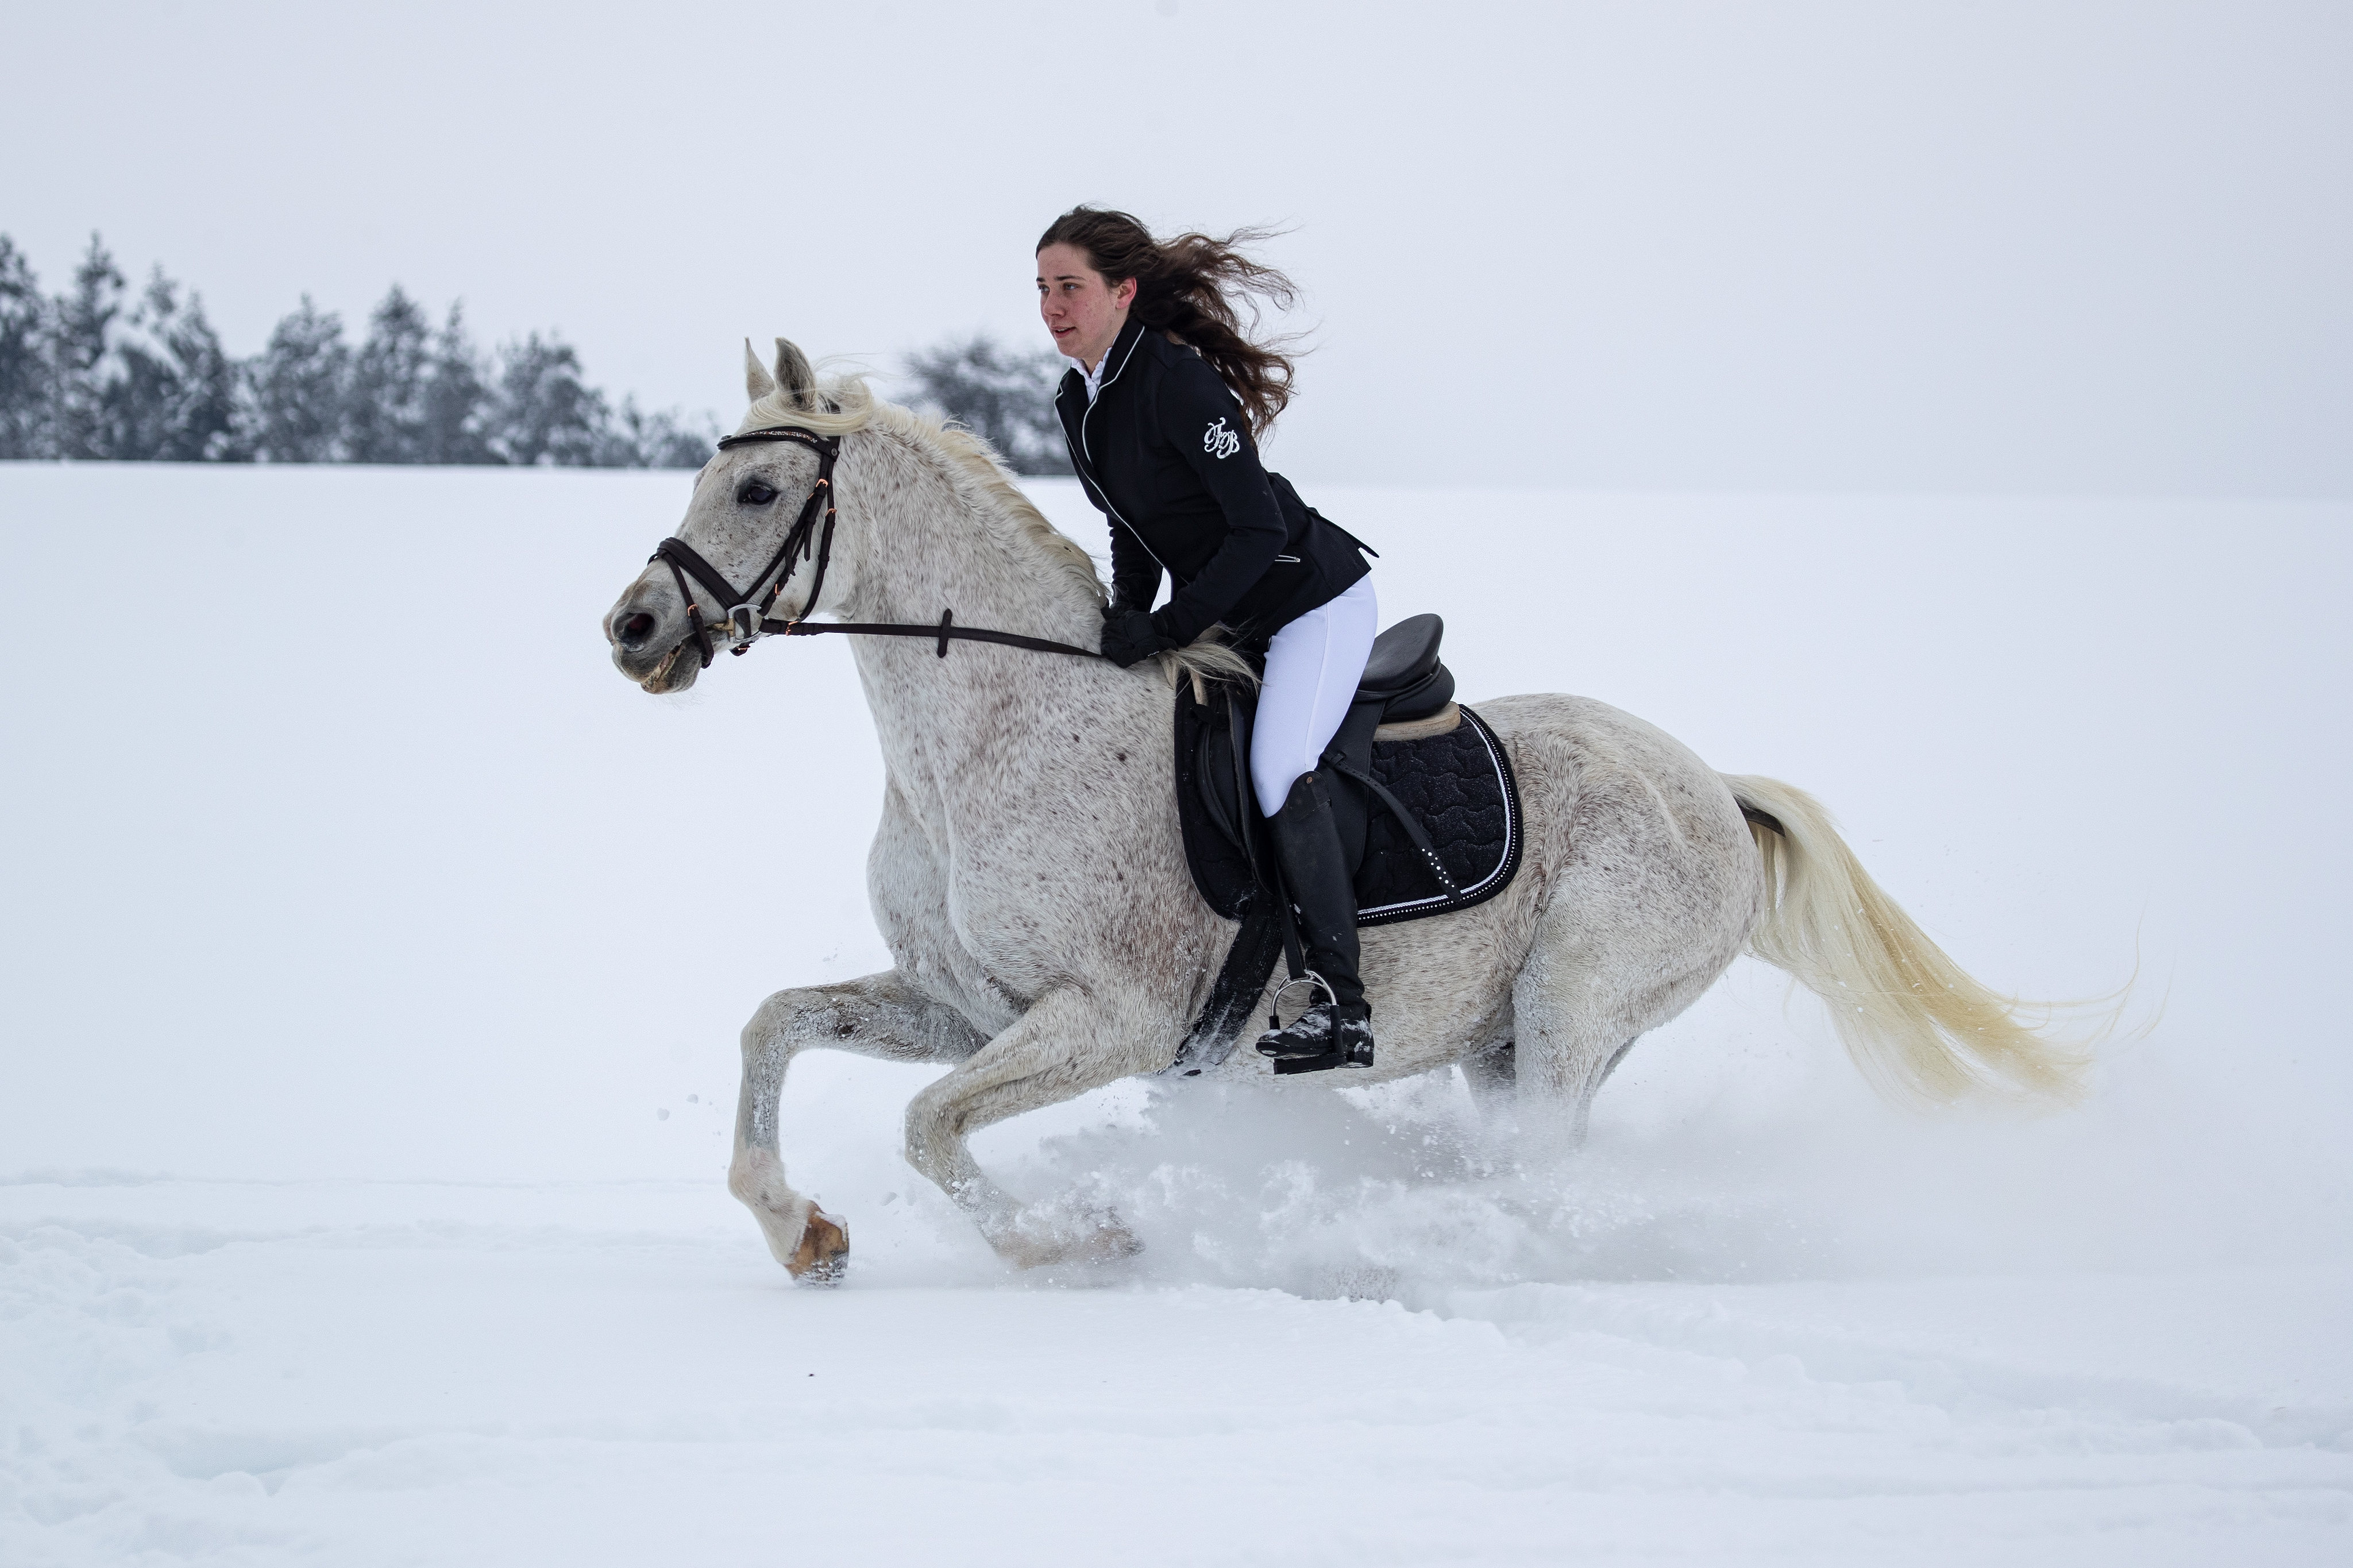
(1087,448)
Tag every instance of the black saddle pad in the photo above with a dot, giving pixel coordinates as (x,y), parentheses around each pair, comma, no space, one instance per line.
(1459,786)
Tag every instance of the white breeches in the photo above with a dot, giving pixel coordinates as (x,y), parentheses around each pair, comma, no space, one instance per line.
(1312,669)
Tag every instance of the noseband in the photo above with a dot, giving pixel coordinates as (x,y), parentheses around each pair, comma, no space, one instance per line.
(747,623)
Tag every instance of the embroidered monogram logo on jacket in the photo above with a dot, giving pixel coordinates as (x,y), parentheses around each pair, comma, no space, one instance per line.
(1220,442)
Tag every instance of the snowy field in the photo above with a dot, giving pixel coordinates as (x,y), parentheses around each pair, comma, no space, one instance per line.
(367,1079)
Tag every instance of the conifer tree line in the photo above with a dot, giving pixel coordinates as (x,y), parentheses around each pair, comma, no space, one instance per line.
(95,373)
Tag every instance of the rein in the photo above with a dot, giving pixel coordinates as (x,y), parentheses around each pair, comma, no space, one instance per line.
(747,623)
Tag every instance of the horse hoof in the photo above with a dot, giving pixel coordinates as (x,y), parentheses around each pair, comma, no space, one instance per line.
(1056,1239)
(1111,1243)
(824,1253)
(1104,1241)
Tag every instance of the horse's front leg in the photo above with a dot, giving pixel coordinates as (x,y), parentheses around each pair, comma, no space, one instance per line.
(1066,1044)
(878,1016)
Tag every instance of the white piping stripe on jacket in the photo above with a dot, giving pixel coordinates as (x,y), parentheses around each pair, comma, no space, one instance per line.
(1086,446)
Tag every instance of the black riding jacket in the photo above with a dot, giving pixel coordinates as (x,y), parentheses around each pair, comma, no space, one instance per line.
(1166,455)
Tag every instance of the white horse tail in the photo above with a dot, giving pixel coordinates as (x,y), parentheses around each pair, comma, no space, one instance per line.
(1915,1023)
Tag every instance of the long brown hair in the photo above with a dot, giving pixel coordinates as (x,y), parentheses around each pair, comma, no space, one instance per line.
(1187,285)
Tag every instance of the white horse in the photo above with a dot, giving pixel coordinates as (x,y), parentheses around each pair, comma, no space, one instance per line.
(1030,881)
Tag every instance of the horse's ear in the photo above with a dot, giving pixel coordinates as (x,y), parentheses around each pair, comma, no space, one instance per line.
(757,382)
(794,379)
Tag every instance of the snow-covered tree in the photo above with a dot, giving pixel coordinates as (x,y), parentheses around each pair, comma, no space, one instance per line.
(458,403)
(167,391)
(81,330)
(298,388)
(546,412)
(388,416)
(23,360)
(1004,396)
(636,439)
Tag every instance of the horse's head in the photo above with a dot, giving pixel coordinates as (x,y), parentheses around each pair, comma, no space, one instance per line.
(751,499)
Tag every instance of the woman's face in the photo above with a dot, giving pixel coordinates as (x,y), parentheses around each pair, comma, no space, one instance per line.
(1083,312)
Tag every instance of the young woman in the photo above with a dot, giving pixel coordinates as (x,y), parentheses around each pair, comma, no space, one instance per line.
(1163,410)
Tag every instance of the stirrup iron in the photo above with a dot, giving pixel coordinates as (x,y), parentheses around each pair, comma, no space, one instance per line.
(1305,977)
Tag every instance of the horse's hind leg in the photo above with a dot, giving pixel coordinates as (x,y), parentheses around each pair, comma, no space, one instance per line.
(1583,997)
(1573,1029)
(1492,1075)
(878,1016)
(1066,1044)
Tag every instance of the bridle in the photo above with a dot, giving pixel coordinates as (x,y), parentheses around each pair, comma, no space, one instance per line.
(811,534)
(746,621)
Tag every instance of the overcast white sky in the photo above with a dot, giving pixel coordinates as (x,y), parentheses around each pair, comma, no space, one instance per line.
(1992,247)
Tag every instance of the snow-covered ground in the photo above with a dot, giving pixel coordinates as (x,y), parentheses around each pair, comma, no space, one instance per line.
(586,1373)
(366,1087)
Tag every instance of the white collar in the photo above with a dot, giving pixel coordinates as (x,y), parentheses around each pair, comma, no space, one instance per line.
(1094,378)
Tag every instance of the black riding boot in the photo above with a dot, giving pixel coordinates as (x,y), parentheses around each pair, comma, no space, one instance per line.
(1307,844)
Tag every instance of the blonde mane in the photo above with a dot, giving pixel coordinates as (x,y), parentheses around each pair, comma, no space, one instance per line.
(846,405)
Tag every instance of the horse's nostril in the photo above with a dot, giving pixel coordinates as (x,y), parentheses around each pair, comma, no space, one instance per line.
(636,630)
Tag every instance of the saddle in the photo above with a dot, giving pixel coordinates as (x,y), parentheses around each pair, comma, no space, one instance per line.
(1428,810)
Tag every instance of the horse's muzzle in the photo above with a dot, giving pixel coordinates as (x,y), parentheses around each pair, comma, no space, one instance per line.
(645,652)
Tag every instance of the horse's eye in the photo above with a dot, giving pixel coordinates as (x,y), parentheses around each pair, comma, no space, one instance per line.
(755,494)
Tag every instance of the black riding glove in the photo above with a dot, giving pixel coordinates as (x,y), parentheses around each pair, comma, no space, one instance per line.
(1128,635)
